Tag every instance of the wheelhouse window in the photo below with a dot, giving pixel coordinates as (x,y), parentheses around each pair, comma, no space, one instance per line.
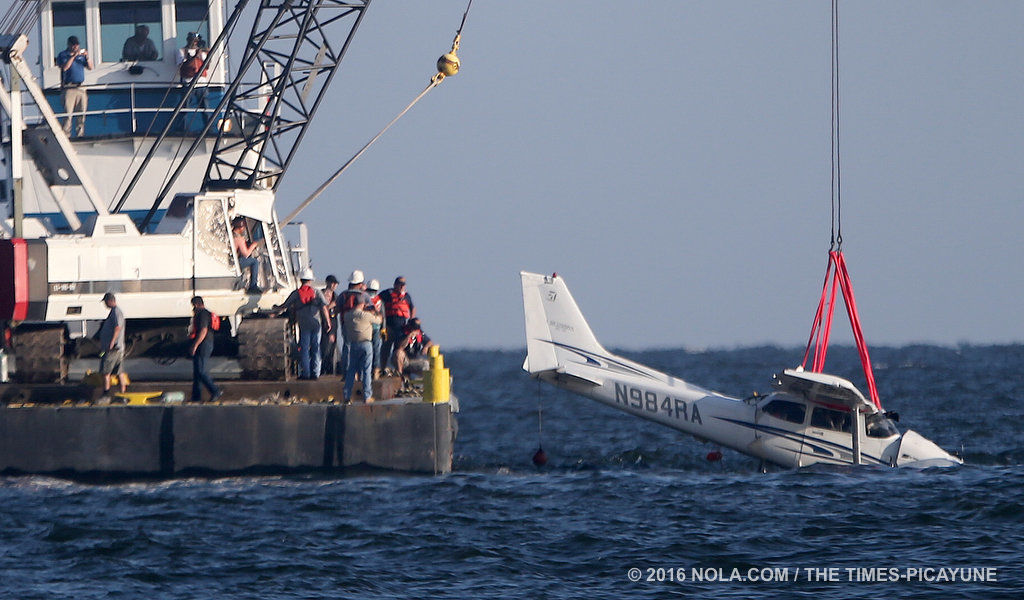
(192,16)
(787,411)
(131,31)
(68,20)
(826,418)
(878,426)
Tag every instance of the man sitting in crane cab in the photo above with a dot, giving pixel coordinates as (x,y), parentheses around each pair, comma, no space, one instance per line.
(245,252)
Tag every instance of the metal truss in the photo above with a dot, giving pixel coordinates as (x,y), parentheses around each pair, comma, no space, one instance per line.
(293,53)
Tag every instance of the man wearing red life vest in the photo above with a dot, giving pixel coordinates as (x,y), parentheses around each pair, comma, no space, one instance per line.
(413,345)
(398,309)
(310,309)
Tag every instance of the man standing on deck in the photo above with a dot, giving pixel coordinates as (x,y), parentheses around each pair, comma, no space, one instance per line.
(328,337)
(354,296)
(73,62)
(201,351)
(310,310)
(398,309)
(359,332)
(378,308)
(112,345)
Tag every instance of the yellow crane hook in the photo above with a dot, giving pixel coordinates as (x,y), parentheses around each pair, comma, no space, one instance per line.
(449,63)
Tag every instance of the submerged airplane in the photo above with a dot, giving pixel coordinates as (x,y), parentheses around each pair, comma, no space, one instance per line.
(808,418)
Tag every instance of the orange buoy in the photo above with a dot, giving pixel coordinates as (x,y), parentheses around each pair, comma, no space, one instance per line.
(714,456)
(540,458)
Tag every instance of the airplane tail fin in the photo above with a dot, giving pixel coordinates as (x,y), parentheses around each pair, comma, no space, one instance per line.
(554,324)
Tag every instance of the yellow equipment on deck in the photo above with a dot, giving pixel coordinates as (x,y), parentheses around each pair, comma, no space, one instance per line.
(437,382)
(139,398)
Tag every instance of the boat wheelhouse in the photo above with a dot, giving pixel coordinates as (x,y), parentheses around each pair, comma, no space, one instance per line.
(132,96)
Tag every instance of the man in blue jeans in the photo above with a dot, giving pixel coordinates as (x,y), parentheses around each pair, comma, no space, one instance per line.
(310,310)
(201,351)
(358,325)
(246,257)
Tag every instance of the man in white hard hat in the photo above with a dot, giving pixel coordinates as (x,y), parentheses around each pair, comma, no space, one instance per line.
(310,309)
(352,298)
(358,325)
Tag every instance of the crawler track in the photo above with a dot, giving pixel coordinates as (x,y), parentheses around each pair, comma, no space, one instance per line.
(40,355)
(265,349)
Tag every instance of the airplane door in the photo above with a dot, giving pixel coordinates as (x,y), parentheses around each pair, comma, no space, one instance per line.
(782,425)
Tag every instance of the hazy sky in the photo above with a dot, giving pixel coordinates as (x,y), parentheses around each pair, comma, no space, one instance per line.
(671,160)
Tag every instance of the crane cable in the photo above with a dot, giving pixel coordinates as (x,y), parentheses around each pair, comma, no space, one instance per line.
(837,200)
(837,276)
(447,66)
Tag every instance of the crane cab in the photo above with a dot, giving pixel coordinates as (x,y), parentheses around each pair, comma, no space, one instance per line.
(109,30)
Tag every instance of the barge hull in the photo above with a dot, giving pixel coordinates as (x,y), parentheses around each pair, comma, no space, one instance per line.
(174,440)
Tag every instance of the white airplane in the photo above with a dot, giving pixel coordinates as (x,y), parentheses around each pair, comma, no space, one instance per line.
(808,418)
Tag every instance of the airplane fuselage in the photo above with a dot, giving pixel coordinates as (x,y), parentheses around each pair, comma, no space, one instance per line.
(727,421)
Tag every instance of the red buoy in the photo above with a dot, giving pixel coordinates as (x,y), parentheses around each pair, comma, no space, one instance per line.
(714,456)
(540,458)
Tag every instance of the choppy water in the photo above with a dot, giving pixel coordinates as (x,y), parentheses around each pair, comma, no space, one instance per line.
(618,493)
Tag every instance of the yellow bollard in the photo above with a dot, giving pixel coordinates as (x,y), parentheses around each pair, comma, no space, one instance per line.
(436,380)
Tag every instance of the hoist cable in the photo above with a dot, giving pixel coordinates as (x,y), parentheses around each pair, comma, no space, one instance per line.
(332,178)
(464,15)
(447,65)
(837,183)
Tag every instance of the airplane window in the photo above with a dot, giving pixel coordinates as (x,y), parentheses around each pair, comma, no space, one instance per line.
(878,426)
(826,418)
(786,410)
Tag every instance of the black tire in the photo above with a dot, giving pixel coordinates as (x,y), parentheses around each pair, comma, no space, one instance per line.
(265,349)
(40,355)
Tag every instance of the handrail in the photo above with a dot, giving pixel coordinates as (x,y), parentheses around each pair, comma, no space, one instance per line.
(32,116)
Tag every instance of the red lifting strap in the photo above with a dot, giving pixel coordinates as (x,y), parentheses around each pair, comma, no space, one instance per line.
(837,276)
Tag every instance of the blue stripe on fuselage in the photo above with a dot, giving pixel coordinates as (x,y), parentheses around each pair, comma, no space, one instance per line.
(804,439)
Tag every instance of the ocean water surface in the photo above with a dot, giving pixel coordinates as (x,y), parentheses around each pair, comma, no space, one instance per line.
(618,494)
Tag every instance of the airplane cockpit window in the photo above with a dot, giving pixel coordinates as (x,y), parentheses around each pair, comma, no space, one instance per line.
(878,426)
(826,418)
(787,411)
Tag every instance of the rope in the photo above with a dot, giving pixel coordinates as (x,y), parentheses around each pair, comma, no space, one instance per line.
(540,418)
(323,186)
(434,82)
